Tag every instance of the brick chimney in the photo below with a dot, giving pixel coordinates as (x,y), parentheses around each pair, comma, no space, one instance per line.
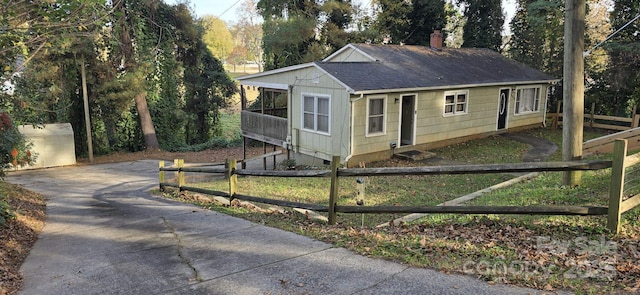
(436,40)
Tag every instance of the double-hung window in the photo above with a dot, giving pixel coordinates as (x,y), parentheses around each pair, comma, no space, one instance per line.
(375,116)
(315,113)
(455,102)
(527,100)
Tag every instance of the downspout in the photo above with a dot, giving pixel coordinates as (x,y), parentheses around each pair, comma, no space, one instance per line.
(546,105)
(289,139)
(351,128)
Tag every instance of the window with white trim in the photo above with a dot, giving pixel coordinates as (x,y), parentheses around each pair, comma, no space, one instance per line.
(527,100)
(455,102)
(315,113)
(375,115)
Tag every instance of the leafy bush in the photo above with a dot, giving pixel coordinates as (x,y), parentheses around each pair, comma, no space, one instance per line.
(14,150)
(6,213)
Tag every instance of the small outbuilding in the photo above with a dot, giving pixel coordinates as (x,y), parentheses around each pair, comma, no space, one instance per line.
(53,144)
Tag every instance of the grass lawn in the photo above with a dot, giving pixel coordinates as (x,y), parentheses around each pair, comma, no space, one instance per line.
(544,252)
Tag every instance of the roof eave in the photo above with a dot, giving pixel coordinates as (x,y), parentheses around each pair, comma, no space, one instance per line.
(276,71)
(346,47)
(374,91)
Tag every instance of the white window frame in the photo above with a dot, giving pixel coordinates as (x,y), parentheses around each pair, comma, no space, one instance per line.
(456,103)
(383,115)
(527,105)
(315,113)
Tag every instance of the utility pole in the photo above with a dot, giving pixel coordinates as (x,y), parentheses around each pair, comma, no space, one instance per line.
(87,117)
(573,87)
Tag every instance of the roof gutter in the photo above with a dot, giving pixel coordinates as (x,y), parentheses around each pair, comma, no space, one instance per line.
(373,91)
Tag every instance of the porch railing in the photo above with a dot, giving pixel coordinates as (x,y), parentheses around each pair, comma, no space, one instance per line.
(262,127)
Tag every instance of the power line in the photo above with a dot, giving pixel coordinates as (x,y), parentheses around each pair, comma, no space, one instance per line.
(586,53)
(225,11)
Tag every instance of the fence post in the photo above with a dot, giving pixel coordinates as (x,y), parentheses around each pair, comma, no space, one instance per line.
(593,114)
(161,175)
(556,122)
(233,178)
(180,174)
(617,185)
(333,194)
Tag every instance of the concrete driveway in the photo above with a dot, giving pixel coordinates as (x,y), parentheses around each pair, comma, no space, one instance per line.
(105,234)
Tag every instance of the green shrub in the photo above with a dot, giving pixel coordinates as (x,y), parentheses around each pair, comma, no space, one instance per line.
(14,150)
(6,213)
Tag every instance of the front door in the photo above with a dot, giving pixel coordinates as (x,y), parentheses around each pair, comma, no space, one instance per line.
(407,120)
(503,108)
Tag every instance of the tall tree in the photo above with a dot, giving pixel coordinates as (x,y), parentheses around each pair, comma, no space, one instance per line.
(596,59)
(248,32)
(338,16)
(32,27)
(129,15)
(483,26)
(426,16)
(623,74)
(454,27)
(410,22)
(147,50)
(217,36)
(537,37)
(289,30)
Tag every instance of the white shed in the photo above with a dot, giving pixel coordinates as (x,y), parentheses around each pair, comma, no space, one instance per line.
(53,144)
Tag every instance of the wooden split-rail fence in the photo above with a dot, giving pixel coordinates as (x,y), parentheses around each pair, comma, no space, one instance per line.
(616,206)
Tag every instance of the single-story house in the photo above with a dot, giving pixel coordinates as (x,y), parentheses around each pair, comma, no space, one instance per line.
(365,102)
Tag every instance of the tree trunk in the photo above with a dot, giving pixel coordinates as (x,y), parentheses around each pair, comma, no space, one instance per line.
(149,132)
(130,64)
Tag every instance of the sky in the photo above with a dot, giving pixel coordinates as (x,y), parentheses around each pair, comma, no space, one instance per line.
(226,9)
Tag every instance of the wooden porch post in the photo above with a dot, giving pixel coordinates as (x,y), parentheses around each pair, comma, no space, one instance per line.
(243,107)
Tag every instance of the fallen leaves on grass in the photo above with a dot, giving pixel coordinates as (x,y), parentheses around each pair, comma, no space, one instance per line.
(18,235)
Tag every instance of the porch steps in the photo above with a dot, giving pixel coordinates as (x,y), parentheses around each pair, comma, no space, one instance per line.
(415,155)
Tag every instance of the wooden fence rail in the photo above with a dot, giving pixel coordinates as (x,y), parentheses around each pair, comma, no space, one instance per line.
(616,204)
(594,120)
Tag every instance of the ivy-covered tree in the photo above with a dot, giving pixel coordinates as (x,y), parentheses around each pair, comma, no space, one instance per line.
(145,53)
(483,26)
(207,89)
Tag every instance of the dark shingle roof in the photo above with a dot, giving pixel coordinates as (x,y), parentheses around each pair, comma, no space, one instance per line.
(408,66)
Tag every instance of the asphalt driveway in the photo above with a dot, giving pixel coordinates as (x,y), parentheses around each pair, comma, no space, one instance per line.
(105,234)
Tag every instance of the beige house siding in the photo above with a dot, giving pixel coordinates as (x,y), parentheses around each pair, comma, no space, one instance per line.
(433,125)
(313,81)
(349,55)
(348,136)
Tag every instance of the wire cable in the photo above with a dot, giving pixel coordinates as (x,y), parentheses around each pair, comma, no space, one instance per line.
(586,53)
